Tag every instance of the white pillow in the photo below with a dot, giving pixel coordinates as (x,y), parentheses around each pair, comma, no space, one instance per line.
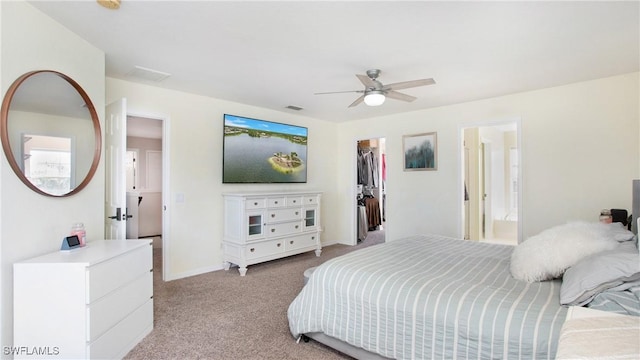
(547,255)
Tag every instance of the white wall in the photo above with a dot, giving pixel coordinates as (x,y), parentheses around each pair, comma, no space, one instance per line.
(196,133)
(579,155)
(33,224)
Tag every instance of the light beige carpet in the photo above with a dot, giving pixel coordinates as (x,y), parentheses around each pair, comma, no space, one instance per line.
(221,315)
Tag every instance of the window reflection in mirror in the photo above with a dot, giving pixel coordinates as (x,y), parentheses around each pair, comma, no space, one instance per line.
(48,163)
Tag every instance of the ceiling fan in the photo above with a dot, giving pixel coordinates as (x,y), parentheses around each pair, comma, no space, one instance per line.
(375,92)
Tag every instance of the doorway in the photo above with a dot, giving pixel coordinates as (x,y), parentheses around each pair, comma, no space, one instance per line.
(115,143)
(491,182)
(371,197)
(145,183)
(144,178)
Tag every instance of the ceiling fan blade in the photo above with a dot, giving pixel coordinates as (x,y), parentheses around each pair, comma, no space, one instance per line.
(366,81)
(409,84)
(400,96)
(339,92)
(358,101)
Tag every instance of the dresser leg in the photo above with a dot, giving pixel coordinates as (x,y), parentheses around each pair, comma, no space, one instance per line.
(226,265)
(242,270)
(318,252)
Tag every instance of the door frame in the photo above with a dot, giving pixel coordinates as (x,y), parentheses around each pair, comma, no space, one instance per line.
(166,209)
(460,149)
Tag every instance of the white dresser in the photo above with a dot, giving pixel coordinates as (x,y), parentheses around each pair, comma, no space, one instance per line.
(94,302)
(259,227)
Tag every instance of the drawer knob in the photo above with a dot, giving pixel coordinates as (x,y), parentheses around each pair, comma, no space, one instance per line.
(255,204)
(294,201)
(279,244)
(313,238)
(297,226)
(273,215)
(275,202)
(297,213)
(291,242)
(273,230)
(252,249)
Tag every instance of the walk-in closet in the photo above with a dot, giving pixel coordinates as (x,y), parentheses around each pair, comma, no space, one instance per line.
(371,195)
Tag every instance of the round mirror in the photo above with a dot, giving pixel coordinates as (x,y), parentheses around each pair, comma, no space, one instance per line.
(50,133)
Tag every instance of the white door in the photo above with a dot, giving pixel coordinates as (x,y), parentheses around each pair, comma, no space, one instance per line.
(115,197)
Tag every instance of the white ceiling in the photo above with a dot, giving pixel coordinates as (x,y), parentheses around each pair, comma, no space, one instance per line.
(273,54)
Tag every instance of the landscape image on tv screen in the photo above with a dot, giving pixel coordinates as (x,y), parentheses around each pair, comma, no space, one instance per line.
(259,151)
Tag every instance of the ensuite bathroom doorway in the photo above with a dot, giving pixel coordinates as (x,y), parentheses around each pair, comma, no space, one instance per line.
(491,183)
(371,197)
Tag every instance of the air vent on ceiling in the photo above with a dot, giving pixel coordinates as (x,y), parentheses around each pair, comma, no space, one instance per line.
(292,107)
(148,74)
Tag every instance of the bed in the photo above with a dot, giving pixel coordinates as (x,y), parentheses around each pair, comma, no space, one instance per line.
(597,334)
(429,297)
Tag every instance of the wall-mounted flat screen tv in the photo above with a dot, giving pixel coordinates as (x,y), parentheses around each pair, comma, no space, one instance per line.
(259,151)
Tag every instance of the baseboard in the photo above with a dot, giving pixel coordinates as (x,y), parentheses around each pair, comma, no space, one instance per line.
(207,269)
(194,272)
(324,244)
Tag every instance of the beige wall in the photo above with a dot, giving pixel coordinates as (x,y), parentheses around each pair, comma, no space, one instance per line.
(195,156)
(579,155)
(33,224)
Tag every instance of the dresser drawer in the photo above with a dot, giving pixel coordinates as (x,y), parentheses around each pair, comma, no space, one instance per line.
(106,312)
(310,200)
(276,202)
(257,203)
(283,215)
(107,276)
(265,248)
(121,338)
(294,200)
(302,241)
(284,228)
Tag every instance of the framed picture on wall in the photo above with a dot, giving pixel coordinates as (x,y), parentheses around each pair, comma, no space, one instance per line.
(420,152)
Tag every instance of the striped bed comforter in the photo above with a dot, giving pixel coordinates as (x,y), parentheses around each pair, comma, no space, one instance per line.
(431,297)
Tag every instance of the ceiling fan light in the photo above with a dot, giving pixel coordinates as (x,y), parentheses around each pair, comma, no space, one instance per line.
(374,98)
(110,4)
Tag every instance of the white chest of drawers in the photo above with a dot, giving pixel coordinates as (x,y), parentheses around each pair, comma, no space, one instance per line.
(89,303)
(259,227)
